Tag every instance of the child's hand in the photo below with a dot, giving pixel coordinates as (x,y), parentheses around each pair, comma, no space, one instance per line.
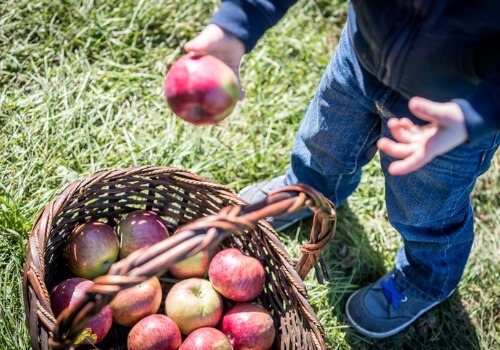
(215,41)
(417,145)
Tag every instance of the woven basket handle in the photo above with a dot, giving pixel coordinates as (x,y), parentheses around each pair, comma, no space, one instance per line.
(205,233)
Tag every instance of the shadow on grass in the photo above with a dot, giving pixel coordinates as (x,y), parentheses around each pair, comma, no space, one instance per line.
(447,326)
(353,263)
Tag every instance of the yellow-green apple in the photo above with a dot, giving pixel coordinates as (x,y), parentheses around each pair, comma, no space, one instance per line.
(69,293)
(201,89)
(139,229)
(206,338)
(249,326)
(236,276)
(154,332)
(194,266)
(193,303)
(131,305)
(91,249)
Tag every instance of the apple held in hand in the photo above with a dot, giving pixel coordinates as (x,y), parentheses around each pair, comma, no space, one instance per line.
(194,266)
(206,338)
(249,326)
(236,276)
(193,303)
(139,229)
(201,89)
(69,293)
(131,305)
(91,249)
(154,332)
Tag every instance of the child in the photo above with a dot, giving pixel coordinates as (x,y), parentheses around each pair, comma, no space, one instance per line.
(437,65)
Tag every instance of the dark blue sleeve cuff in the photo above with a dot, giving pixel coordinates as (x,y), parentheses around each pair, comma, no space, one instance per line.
(248,20)
(482,110)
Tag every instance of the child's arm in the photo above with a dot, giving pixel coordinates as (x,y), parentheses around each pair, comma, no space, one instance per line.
(235,29)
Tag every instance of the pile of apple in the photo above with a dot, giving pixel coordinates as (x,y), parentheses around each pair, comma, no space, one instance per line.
(210,300)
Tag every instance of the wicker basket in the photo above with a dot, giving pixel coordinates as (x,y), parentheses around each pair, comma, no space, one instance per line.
(204,214)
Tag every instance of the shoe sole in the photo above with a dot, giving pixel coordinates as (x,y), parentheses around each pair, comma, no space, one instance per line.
(245,189)
(393,331)
(286,224)
(292,222)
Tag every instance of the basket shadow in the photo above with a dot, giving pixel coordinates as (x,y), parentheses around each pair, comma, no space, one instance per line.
(354,263)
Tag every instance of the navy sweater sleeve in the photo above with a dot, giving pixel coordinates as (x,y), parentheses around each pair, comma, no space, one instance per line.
(482,109)
(249,19)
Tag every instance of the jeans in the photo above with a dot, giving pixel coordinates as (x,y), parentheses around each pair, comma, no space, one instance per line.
(430,207)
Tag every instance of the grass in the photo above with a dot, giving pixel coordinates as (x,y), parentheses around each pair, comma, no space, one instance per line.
(81,89)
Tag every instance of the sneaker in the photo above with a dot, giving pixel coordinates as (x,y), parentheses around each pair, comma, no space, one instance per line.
(257,192)
(381,309)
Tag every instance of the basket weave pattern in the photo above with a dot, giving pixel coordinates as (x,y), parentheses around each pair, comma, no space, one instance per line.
(203,215)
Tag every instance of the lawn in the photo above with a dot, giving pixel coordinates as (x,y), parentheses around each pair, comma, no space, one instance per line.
(81,89)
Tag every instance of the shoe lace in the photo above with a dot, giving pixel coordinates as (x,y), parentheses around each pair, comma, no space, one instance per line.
(392,294)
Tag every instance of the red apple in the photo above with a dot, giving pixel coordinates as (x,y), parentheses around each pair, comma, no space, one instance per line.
(193,303)
(236,276)
(249,326)
(91,249)
(133,304)
(206,338)
(194,266)
(138,229)
(154,332)
(201,89)
(69,293)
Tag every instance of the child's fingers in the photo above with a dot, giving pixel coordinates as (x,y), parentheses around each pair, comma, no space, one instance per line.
(402,129)
(395,149)
(198,44)
(425,109)
(208,40)
(407,165)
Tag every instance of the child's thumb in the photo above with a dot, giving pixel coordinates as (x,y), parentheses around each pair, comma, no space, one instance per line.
(194,45)
(425,109)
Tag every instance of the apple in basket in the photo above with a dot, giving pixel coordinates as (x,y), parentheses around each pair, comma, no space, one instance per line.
(201,89)
(249,326)
(194,266)
(139,229)
(70,292)
(154,332)
(91,249)
(131,305)
(236,276)
(193,303)
(206,338)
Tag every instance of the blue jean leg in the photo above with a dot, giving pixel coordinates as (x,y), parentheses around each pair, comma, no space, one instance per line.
(338,133)
(430,208)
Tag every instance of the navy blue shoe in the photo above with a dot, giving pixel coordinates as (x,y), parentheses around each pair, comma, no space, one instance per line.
(381,309)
